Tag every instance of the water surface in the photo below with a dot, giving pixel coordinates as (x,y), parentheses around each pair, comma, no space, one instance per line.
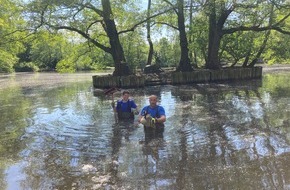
(57,132)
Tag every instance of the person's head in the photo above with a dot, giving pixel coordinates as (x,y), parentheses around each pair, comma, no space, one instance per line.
(153,100)
(126,95)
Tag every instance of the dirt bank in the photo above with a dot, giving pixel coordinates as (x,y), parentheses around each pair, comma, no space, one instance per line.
(275,68)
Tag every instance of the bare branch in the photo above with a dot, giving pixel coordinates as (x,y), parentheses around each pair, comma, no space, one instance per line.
(90,6)
(173,7)
(143,21)
(79,10)
(167,24)
(11,40)
(85,35)
(224,17)
(282,20)
(280,30)
(257,28)
(90,25)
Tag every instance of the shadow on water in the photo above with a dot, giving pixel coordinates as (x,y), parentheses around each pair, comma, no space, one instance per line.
(217,136)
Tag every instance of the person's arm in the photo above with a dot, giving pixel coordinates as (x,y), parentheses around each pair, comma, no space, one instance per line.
(117,107)
(135,107)
(162,117)
(140,116)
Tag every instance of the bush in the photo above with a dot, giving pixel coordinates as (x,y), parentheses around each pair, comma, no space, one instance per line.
(65,66)
(26,67)
(7,62)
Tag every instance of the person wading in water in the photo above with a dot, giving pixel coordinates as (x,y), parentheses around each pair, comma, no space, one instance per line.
(126,107)
(153,115)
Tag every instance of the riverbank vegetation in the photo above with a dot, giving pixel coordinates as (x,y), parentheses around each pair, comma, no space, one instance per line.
(69,36)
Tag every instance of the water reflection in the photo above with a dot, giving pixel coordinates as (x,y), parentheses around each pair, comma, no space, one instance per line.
(217,136)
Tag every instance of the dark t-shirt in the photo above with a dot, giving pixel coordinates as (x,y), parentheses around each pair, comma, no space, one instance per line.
(155,112)
(124,109)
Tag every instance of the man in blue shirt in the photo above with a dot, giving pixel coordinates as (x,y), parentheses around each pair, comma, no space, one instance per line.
(152,115)
(126,107)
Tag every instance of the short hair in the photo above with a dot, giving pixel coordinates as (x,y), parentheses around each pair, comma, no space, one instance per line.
(153,96)
(125,92)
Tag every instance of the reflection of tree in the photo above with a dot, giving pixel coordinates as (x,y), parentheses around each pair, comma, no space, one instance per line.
(216,120)
(156,90)
(154,142)
(225,137)
(261,120)
(182,165)
(234,134)
(56,142)
(14,110)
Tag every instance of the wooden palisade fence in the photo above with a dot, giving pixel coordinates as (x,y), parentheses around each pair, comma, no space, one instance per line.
(196,76)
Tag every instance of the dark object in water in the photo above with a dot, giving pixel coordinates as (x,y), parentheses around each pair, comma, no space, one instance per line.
(111,90)
(152,69)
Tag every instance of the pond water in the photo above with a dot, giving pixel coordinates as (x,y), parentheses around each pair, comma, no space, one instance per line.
(57,132)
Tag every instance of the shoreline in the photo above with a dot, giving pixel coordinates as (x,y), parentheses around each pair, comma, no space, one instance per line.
(266,68)
(53,79)
(275,68)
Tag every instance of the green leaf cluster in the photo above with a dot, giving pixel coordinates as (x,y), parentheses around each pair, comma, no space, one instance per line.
(30,42)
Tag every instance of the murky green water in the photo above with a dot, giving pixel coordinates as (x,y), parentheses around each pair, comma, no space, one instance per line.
(57,133)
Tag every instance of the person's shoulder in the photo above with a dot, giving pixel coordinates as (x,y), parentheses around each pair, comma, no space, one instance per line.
(131,100)
(160,107)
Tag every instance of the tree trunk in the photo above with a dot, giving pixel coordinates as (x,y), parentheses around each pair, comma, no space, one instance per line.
(213,40)
(121,67)
(263,46)
(192,53)
(247,58)
(216,31)
(150,53)
(184,63)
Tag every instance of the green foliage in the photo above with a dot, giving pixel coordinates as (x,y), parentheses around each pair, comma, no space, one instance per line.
(48,49)
(167,52)
(235,47)
(136,50)
(67,52)
(199,34)
(26,67)
(83,57)
(12,123)
(10,33)
(7,61)
(278,51)
(65,66)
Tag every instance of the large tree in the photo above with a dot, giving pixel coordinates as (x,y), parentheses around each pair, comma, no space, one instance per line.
(178,9)
(184,63)
(148,27)
(94,21)
(99,22)
(243,15)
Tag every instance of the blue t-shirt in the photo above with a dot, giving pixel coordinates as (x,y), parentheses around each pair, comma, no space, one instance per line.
(125,106)
(155,112)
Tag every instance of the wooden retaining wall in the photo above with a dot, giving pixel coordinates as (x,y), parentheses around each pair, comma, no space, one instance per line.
(108,81)
(203,76)
(190,77)
(196,76)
